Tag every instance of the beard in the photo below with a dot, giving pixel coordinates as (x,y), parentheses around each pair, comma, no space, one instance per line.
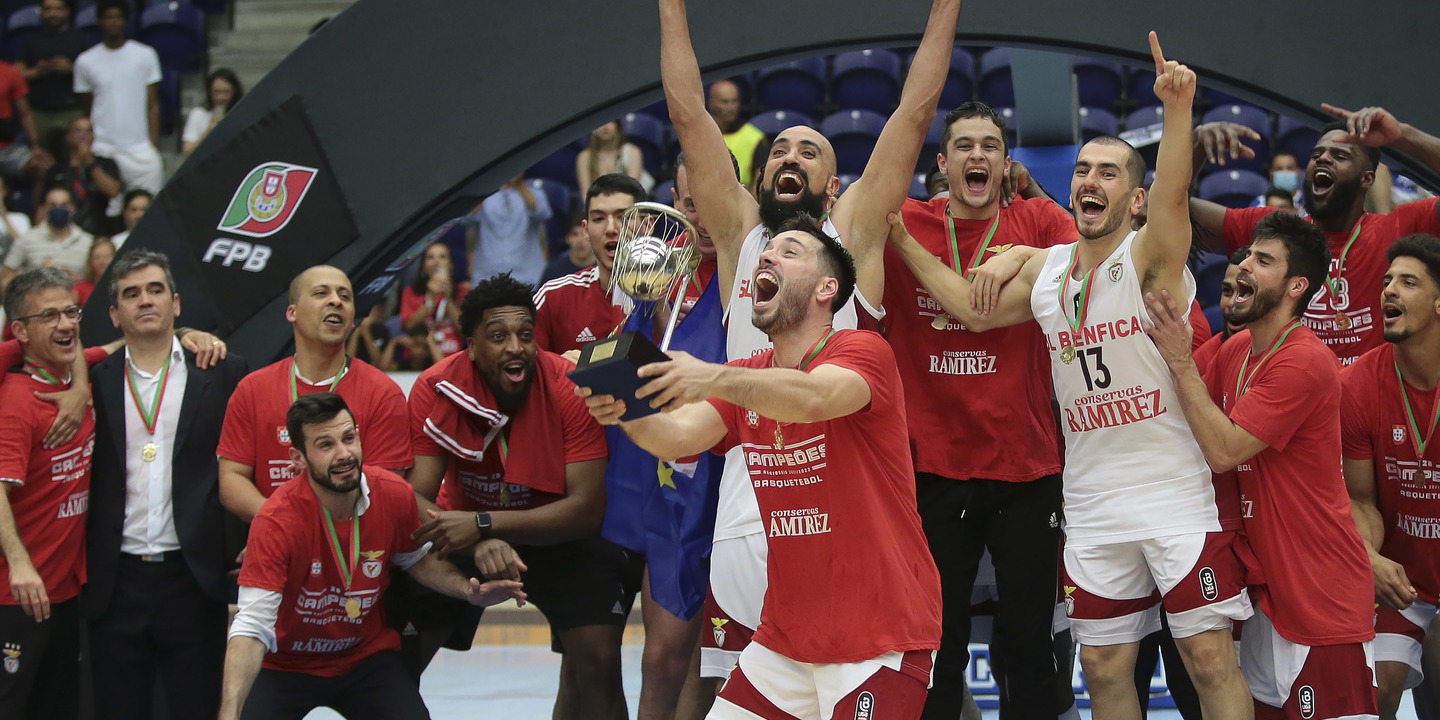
(1336,203)
(1109,224)
(774,212)
(1265,300)
(509,396)
(1399,335)
(331,480)
(789,310)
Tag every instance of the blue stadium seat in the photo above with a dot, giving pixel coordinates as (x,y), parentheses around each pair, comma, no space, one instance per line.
(1012,132)
(559,165)
(87,22)
(1095,122)
(177,32)
(659,110)
(1233,188)
(20,26)
(663,194)
(918,189)
(866,79)
(771,122)
(1098,82)
(1216,320)
(846,180)
(1253,118)
(1217,98)
(960,83)
(1145,121)
(932,146)
(853,134)
(1140,86)
(648,134)
(996,86)
(798,85)
(1296,137)
(1209,272)
(561,205)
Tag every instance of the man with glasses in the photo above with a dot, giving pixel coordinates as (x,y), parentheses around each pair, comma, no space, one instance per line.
(44,494)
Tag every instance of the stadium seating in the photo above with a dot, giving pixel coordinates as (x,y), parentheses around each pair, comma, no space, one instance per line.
(960,83)
(1209,272)
(1138,128)
(996,86)
(1296,137)
(846,180)
(867,80)
(1095,122)
(1140,86)
(1098,83)
(918,189)
(177,32)
(852,133)
(1233,188)
(20,26)
(798,85)
(771,122)
(559,165)
(1253,118)
(648,134)
(561,205)
(663,194)
(87,22)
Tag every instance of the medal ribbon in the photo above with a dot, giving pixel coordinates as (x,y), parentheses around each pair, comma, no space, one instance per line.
(348,571)
(1334,283)
(295,373)
(979,254)
(149,418)
(33,366)
(815,350)
(1410,415)
(1242,383)
(1085,282)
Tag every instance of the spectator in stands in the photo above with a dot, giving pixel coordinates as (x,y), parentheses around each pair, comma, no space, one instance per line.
(92,180)
(12,224)
(118,85)
(17,159)
(577,258)
(1285,174)
(102,252)
(1278,198)
(137,202)
(746,142)
(48,64)
(511,233)
(430,309)
(56,241)
(609,153)
(936,183)
(371,341)
(222,91)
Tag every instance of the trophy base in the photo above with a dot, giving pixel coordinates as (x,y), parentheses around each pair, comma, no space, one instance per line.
(609,367)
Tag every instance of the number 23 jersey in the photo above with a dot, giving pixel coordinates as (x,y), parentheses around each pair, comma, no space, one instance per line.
(1132,467)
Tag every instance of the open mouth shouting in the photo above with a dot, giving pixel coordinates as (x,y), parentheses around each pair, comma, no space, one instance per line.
(515,371)
(1322,181)
(1244,292)
(333,320)
(1091,206)
(1392,311)
(790,183)
(977,179)
(767,286)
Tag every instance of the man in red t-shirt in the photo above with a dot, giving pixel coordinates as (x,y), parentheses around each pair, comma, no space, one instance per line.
(821,420)
(311,628)
(15,116)
(1205,353)
(582,307)
(981,425)
(44,493)
(523,471)
(254,442)
(1269,408)
(1344,313)
(1388,420)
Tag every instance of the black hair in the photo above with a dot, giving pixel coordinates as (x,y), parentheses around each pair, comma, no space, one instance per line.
(1371,153)
(1422,247)
(312,409)
(229,76)
(498,291)
(136,193)
(1276,192)
(18,292)
(132,260)
(1307,252)
(1239,255)
(974,109)
(422,278)
(1134,161)
(835,260)
(105,5)
(680,161)
(615,183)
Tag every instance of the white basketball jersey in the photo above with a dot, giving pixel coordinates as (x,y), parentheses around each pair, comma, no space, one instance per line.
(738,513)
(1132,467)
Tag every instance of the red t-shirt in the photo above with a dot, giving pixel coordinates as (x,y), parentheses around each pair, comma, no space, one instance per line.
(290,553)
(49,489)
(12,88)
(574,310)
(1200,324)
(254,433)
(1205,354)
(447,335)
(1296,509)
(1374,426)
(850,573)
(471,485)
(11,355)
(979,403)
(1365,266)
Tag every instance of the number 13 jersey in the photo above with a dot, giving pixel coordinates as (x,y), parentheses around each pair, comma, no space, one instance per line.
(1132,467)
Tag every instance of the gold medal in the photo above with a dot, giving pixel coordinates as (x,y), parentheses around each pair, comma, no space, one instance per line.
(1342,321)
(1067,354)
(505,494)
(940,322)
(149,452)
(352,608)
(779,439)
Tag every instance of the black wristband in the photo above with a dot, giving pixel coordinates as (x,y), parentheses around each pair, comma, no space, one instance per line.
(482,523)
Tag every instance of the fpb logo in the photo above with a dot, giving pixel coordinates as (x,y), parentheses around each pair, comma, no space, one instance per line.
(266,199)
(229,252)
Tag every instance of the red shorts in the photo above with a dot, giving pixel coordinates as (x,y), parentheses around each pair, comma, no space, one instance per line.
(771,686)
(1301,682)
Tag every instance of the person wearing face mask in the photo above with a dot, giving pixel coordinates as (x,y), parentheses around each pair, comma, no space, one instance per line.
(1285,174)
(55,241)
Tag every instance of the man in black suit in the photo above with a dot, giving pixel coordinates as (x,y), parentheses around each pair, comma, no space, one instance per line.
(160,545)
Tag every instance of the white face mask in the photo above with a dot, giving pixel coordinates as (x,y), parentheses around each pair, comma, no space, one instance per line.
(1287,180)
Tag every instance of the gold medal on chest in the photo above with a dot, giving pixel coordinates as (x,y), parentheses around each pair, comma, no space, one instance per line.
(149,452)
(1067,354)
(352,608)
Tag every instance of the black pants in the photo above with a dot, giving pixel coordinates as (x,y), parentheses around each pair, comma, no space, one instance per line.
(40,677)
(159,624)
(379,688)
(1152,648)
(1020,524)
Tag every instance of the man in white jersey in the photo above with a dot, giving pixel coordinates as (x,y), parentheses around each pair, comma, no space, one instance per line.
(799,176)
(1143,519)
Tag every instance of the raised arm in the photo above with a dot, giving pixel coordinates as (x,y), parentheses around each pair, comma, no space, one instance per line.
(1163,245)
(1376,127)
(859,214)
(954,293)
(727,207)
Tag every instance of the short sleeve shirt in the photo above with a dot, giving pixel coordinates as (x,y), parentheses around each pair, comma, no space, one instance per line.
(573,311)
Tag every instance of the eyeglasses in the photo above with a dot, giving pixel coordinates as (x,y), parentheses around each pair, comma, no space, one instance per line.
(52,316)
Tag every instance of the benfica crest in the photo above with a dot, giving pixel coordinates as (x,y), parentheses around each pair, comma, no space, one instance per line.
(1397,433)
(1069,600)
(371,567)
(12,658)
(1117,271)
(718,631)
(266,199)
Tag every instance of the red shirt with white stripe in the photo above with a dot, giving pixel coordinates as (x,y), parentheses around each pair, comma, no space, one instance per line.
(574,310)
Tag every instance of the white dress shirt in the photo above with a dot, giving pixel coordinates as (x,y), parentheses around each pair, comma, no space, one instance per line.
(149,513)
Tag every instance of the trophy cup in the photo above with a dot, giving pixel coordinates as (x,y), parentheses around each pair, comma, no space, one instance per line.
(655,258)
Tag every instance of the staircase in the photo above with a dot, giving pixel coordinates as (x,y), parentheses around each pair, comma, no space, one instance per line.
(264,32)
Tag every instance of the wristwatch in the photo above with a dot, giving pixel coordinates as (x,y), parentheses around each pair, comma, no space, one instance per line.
(482,522)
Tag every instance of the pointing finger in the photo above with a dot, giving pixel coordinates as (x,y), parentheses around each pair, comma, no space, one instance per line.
(1157,54)
(1338,112)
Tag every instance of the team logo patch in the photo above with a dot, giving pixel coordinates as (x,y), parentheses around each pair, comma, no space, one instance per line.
(12,658)
(1397,433)
(282,433)
(865,706)
(1117,271)
(314,567)
(752,419)
(1306,695)
(1070,600)
(266,199)
(719,630)
(372,566)
(1209,586)
(997,249)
